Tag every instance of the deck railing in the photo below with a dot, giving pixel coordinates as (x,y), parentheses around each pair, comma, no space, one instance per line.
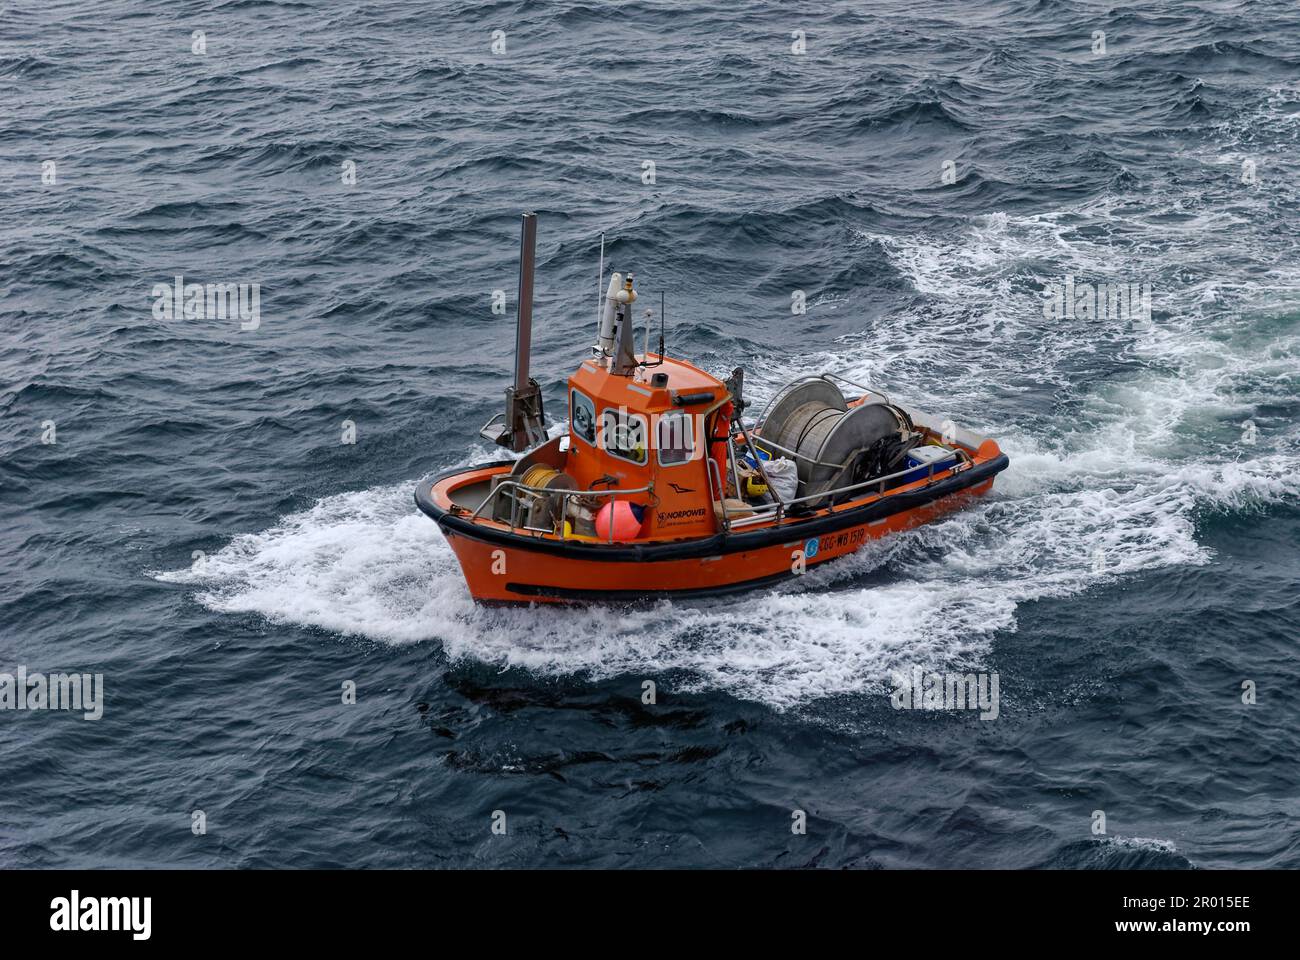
(760,514)
(778,510)
(545,493)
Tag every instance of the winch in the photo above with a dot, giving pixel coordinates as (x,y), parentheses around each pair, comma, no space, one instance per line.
(832,441)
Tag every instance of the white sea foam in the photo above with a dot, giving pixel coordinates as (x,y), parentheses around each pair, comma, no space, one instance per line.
(1152,844)
(362,563)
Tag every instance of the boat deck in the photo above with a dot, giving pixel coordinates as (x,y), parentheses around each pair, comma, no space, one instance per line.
(470,495)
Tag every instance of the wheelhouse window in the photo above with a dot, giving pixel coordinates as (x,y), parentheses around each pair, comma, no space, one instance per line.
(582,417)
(674,438)
(624,435)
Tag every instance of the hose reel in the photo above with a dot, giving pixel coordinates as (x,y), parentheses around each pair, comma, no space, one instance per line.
(837,445)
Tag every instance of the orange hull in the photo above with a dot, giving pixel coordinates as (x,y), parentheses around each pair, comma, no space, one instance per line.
(505,567)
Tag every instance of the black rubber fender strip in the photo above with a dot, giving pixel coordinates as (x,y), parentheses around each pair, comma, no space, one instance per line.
(711,546)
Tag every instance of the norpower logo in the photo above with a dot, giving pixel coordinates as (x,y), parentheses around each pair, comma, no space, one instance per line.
(682,514)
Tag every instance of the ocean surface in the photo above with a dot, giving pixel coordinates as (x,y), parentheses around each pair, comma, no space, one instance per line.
(198,533)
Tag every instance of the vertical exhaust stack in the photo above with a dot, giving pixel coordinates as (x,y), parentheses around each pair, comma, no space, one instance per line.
(522,427)
(524,317)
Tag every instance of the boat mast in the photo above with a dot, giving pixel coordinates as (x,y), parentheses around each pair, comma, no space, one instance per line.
(523,420)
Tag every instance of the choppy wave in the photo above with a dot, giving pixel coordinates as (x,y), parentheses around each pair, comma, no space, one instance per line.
(1133,564)
(1112,491)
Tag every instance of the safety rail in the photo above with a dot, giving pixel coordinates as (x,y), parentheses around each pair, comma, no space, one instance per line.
(483,430)
(777,510)
(861,386)
(716,475)
(760,514)
(761,441)
(543,492)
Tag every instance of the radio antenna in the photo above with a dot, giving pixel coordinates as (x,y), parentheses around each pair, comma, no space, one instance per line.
(649,316)
(600,279)
(662,309)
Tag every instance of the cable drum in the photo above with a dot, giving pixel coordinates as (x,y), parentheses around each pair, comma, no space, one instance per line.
(814,420)
(539,510)
(540,475)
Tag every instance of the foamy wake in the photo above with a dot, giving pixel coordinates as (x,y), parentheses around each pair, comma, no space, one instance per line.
(368,564)
(1109,491)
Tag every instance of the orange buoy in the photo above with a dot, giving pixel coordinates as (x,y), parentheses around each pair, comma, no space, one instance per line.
(627,520)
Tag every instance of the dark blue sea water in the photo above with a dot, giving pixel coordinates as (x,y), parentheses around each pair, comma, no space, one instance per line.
(1135,565)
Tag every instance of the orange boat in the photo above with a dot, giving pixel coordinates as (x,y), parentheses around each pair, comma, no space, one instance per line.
(658,488)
